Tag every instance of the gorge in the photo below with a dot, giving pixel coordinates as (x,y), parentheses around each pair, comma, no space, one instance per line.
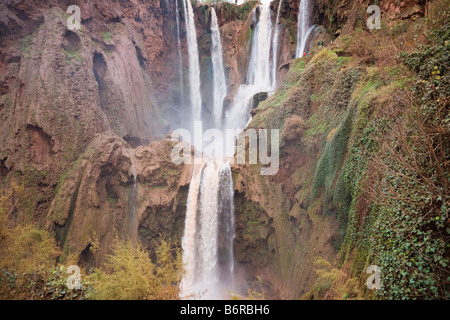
(88,121)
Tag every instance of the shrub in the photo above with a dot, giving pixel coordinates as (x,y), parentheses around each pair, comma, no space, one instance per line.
(293,128)
(412,232)
(25,253)
(130,274)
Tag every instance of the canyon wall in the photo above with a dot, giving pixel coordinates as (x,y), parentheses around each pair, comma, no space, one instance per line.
(76,107)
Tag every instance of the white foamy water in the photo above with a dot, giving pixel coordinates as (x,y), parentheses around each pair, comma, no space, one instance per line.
(259,74)
(304,26)
(275,48)
(180,62)
(207,240)
(209,230)
(194,66)
(220,84)
(133,219)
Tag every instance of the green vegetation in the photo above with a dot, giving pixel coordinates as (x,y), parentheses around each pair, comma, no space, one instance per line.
(72,54)
(132,275)
(335,283)
(25,45)
(331,159)
(25,252)
(412,232)
(397,173)
(107,36)
(28,268)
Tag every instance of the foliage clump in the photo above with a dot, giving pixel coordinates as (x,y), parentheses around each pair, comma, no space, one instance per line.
(335,284)
(294,128)
(412,232)
(130,274)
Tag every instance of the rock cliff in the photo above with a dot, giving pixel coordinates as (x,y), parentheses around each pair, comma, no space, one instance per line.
(84,113)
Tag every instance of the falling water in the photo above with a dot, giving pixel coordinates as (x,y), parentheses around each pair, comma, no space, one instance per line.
(275,49)
(220,86)
(180,62)
(207,235)
(194,66)
(304,26)
(188,242)
(133,219)
(259,75)
(209,232)
(227,231)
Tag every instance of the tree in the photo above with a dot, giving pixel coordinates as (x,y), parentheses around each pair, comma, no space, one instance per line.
(131,275)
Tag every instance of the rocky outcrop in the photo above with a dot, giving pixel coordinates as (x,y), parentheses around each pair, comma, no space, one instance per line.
(80,109)
(97,199)
(62,87)
(281,224)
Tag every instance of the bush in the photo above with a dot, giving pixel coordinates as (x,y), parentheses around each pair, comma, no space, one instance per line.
(131,275)
(412,232)
(25,253)
(293,128)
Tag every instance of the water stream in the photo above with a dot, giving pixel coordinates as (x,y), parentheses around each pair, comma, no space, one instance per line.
(275,48)
(220,84)
(133,219)
(259,74)
(304,26)
(194,66)
(180,61)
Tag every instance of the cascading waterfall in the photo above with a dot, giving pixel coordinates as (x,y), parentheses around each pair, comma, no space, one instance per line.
(133,218)
(188,242)
(275,48)
(194,66)
(226,222)
(208,222)
(304,26)
(220,86)
(180,62)
(209,226)
(259,74)
(209,232)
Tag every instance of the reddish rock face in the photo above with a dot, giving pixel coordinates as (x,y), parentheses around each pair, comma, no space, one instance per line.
(73,104)
(41,147)
(97,197)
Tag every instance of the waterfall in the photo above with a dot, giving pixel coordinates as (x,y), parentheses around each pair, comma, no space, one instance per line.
(194,66)
(207,235)
(209,232)
(209,225)
(304,26)
(275,49)
(259,74)
(220,86)
(188,242)
(180,62)
(227,233)
(133,218)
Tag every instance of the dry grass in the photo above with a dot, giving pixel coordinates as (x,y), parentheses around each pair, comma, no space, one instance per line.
(293,128)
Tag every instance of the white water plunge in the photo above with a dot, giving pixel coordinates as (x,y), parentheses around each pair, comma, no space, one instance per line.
(194,66)
(259,73)
(208,236)
(180,62)
(133,216)
(275,48)
(209,232)
(304,26)
(220,85)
